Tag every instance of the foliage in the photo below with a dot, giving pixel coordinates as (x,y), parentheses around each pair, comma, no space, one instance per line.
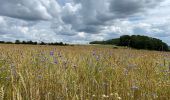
(137,41)
(34,43)
(111,41)
(143,42)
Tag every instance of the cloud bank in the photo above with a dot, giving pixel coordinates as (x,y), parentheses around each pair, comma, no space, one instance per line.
(81,21)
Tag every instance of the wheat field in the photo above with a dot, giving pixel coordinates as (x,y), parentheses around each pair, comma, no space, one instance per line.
(30,72)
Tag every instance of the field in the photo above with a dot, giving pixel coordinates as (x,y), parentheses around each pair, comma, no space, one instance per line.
(83,73)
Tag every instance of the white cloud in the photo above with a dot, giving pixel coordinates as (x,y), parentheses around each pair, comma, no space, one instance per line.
(82,21)
(81,34)
(2,21)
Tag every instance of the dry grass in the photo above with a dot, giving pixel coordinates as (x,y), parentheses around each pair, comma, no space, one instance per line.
(82,72)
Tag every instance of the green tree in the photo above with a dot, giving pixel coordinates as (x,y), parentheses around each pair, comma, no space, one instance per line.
(125,40)
(17,42)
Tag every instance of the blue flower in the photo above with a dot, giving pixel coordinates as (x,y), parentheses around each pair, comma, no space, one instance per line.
(51,53)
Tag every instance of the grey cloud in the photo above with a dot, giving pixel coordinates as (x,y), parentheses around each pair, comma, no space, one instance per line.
(61,28)
(64,20)
(91,29)
(29,9)
(92,15)
(86,15)
(124,8)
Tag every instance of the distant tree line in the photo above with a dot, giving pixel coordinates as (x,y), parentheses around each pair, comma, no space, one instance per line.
(111,41)
(137,41)
(34,43)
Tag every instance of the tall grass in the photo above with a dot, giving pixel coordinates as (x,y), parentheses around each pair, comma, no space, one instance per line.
(82,72)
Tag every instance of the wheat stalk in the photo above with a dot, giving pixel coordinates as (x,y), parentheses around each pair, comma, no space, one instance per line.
(2,93)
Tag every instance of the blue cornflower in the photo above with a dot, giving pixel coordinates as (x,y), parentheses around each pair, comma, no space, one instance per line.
(51,53)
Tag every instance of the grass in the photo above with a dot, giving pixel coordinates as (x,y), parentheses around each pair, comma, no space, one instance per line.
(83,72)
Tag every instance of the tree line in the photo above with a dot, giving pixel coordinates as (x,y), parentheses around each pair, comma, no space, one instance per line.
(34,43)
(137,42)
(111,41)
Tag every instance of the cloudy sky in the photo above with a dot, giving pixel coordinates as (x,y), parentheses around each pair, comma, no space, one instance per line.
(81,21)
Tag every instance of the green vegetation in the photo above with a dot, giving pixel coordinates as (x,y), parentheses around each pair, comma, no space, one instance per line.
(137,41)
(107,42)
(34,43)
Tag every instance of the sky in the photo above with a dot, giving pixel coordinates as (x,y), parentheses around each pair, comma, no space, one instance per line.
(82,21)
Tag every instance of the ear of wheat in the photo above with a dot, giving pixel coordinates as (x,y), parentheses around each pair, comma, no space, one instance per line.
(2,93)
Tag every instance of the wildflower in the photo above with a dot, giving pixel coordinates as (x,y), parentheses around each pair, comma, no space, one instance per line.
(51,53)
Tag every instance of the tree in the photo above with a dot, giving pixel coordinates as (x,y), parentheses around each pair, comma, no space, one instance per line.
(17,42)
(124,40)
(35,43)
(23,42)
(143,42)
(29,42)
(137,42)
(2,42)
(42,43)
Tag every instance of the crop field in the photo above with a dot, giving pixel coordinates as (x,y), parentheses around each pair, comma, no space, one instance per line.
(37,72)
